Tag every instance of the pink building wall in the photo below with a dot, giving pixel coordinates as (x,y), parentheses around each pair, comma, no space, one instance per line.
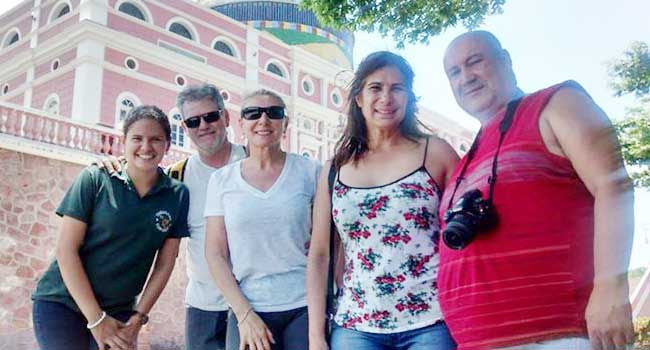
(64,60)
(282,52)
(15,82)
(330,89)
(8,53)
(52,31)
(315,96)
(46,11)
(114,84)
(63,86)
(274,82)
(213,58)
(233,27)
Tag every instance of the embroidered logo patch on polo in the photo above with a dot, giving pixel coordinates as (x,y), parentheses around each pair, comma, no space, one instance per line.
(163,221)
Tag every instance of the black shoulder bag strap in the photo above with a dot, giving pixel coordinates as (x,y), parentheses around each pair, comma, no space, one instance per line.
(330,271)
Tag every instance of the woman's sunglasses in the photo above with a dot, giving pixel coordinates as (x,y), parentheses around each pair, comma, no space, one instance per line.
(254,113)
(195,121)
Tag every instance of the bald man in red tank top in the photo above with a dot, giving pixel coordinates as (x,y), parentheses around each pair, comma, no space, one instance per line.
(551,272)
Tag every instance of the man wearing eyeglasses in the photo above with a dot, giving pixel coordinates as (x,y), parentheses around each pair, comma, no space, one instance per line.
(205,120)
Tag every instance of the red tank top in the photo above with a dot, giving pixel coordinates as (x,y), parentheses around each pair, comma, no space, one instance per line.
(530,277)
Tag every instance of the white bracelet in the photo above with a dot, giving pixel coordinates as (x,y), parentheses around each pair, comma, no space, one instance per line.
(96,323)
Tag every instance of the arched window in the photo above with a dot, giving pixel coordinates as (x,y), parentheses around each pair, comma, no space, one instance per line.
(126,105)
(14,38)
(224,48)
(180,30)
(125,102)
(132,10)
(11,37)
(64,11)
(275,69)
(51,105)
(178,133)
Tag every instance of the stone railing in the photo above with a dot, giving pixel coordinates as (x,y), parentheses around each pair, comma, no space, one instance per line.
(38,127)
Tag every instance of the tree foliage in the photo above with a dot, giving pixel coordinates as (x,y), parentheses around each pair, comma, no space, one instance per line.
(631,74)
(405,20)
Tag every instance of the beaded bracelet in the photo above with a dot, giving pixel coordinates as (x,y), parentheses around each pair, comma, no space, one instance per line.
(96,323)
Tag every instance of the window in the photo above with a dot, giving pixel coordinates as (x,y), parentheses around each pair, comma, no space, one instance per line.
(131,63)
(336,98)
(178,133)
(124,103)
(132,10)
(11,37)
(51,105)
(59,10)
(55,65)
(14,38)
(5,89)
(126,106)
(64,11)
(308,85)
(223,48)
(180,80)
(225,95)
(180,30)
(275,69)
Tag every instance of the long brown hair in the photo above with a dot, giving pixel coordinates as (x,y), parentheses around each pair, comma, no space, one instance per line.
(353,144)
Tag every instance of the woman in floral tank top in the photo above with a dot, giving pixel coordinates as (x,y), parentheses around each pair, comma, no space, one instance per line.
(390,175)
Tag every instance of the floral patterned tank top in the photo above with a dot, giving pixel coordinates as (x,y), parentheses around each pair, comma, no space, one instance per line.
(389,236)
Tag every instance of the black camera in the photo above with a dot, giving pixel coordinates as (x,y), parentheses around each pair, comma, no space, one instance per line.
(471,214)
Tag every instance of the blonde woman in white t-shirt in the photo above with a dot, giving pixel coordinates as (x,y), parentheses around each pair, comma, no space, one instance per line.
(258,213)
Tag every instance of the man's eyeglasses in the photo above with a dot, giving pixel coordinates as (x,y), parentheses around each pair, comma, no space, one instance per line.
(195,121)
(254,113)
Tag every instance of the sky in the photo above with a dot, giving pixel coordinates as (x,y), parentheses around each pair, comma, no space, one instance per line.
(549,41)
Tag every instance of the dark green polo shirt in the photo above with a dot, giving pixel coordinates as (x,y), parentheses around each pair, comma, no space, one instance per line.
(124,233)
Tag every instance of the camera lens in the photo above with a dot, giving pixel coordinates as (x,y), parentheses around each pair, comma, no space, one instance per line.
(457,235)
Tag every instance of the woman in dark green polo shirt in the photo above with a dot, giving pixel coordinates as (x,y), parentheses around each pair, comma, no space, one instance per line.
(111,229)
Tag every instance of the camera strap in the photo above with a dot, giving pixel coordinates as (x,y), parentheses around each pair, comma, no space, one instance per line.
(504,126)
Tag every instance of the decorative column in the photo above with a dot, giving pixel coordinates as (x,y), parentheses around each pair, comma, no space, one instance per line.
(33,43)
(88,78)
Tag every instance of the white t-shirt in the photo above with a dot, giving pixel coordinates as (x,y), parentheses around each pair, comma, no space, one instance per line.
(201,292)
(267,231)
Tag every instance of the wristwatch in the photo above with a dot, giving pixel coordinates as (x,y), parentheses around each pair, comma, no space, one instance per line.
(144,318)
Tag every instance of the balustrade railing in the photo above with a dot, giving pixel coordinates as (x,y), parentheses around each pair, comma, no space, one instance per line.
(77,136)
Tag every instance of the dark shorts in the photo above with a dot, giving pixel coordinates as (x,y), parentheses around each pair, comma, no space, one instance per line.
(289,329)
(205,330)
(57,327)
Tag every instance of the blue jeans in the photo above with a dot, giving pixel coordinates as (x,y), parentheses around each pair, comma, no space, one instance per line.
(434,337)
(57,327)
(205,330)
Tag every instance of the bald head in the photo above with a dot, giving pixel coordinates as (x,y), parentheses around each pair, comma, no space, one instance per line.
(480,74)
(482,37)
